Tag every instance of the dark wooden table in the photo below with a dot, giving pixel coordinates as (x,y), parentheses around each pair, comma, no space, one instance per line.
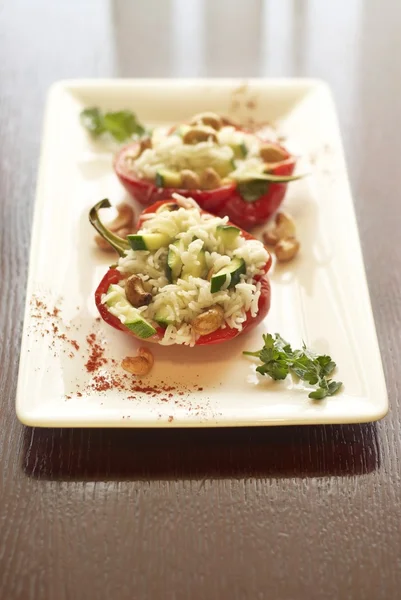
(281,513)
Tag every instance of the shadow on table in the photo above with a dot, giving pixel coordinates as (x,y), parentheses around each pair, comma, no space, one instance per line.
(138,454)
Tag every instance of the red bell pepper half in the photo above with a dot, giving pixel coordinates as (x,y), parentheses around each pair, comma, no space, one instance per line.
(113,276)
(246,204)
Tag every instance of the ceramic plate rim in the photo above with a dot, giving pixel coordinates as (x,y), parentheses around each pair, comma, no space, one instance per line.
(32,417)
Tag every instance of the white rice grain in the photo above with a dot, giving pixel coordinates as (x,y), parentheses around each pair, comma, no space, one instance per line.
(185,299)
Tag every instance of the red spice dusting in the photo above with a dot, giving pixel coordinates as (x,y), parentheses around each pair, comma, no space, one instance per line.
(49,322)
(100,383)
(96,357)
(38,303)
(137,386)
(171,418)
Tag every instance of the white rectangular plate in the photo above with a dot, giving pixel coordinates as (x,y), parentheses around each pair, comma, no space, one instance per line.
(320,298)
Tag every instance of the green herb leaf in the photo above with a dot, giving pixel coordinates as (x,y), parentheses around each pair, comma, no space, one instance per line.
(334,386)
(326,364)
(318,394)
(253,190)
(274,359)
(281,344)
(121,125)
(92,120)
(279,359)
(249,177)
(276,369)
(305,368)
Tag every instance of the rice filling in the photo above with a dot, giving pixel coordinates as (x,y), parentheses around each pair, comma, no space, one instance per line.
(195,241)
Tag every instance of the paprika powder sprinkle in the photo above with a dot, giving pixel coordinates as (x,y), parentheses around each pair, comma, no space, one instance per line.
(104,372)
(96,358)
(49,322)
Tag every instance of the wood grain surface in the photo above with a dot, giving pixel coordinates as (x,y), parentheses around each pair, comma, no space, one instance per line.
(282,513)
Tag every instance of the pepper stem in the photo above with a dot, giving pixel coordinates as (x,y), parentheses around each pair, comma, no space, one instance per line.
(119,244)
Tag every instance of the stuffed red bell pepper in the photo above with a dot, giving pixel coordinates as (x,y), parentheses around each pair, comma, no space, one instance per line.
(227,170)
(185,277)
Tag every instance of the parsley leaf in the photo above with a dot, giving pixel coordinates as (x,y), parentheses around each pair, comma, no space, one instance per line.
(333,386)
(253,190)
(279,359)
(121,125)
(92,120)
(318,394)
(256,185)
(327,365)
(277,369)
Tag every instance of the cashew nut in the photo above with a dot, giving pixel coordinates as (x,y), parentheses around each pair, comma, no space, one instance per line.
(283,227)
(124,232)
(136,150)
(102,244)
(132,154)
(269,236)
(168,207)
(207,118)
(209,321)
(286,249)
(135,293)
(144,144)
(201,133)
(210,274)
(268,167)
(122,225)
(230,121)
(190,180)
(124,218)
(140,364)
(210,179)
(105,246)
(271,153)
